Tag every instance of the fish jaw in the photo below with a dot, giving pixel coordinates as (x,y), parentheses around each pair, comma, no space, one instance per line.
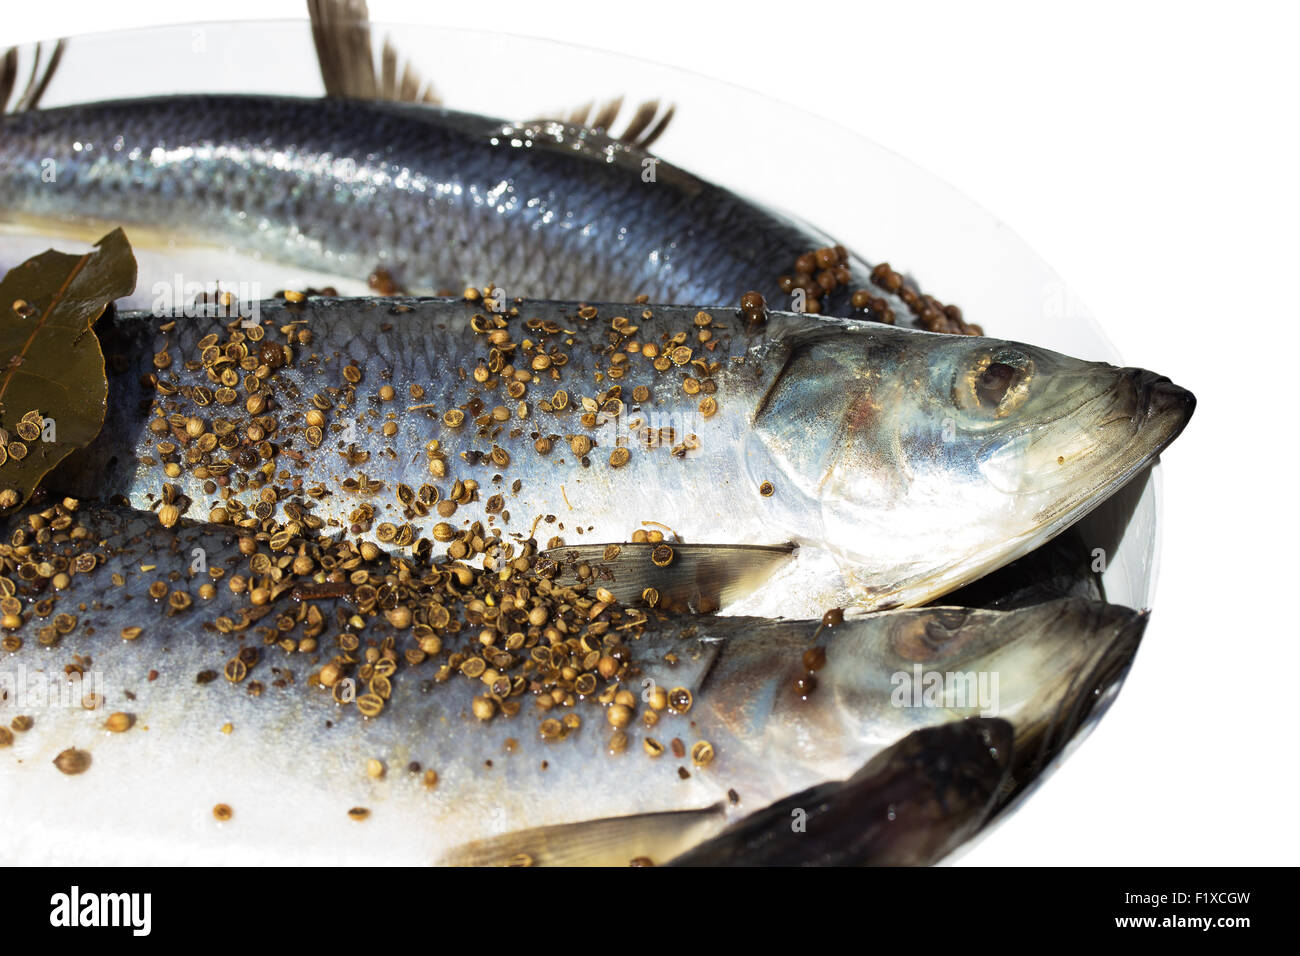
(925,461)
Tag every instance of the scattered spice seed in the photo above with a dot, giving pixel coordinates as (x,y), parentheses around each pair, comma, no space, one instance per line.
(72,761)
(222,812)
(702,753)
(119,722)
(484,707)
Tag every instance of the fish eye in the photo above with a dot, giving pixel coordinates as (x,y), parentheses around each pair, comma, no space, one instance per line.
(995,383)
(991,385)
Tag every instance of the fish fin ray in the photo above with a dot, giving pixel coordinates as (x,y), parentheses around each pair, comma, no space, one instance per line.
(341,32)
(37,82)
(607,115)
(8,76)
(700,578)
(648,123)
(608,841)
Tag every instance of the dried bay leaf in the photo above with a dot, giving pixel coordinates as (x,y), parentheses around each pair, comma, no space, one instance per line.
(53,387)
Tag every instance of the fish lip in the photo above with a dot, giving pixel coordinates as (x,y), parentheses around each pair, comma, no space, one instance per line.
(1155,396)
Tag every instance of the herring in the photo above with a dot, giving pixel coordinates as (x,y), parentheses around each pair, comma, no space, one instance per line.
(290,764)
(284,192)
(869,466)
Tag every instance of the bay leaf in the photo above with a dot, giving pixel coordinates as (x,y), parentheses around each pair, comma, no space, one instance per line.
(53,387)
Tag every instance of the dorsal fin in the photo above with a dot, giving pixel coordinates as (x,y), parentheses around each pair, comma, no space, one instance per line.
(344,50)
(647,124)
(37,82)
(341,32)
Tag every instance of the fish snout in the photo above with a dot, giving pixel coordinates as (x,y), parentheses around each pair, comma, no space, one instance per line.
(1155,396)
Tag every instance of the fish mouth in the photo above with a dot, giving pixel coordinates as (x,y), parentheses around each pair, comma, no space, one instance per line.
(1152,412)
(1152,397)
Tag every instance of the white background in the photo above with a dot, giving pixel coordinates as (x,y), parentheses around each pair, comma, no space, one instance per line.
(1149,153)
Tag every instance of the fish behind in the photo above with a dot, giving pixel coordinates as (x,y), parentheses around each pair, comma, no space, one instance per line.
(178,723)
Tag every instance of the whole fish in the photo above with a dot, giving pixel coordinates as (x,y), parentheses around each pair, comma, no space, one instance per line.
(378,185)
(439,199)
(211,743)
(872,466)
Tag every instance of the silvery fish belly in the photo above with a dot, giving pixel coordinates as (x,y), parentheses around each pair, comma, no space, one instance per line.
(884,466)
(157,718)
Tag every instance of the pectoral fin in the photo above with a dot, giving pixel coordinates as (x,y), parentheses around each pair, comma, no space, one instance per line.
(696,578)
(611,841)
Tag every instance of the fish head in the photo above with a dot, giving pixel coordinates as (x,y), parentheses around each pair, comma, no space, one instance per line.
(1042,667)
(923,461)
